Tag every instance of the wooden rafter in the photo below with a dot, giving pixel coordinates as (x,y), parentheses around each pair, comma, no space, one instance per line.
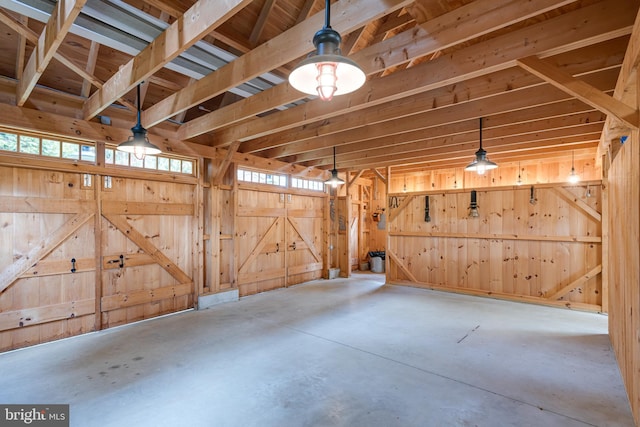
(437,34)
(90,68)
(265,12)
(306,9)
(32,37)
(413,124)
(290,45)
(467,63)
(22,46)
(59,24)
(613,129)
(196,22)
(581,90)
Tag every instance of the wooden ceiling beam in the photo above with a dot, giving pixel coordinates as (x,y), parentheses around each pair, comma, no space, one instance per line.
(265,12)
(32,37)
(195,23)
(533,156)
(627,89)
(22,47)
(463,24)
(453,133)
(468,143)
(306,9)
(497,103)
(286,47)
(551,38)
(57,27)
(90,68)
(581,90)
(463,157)
(601,56)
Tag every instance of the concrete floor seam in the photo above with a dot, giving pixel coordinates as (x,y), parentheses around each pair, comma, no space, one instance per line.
(426,371)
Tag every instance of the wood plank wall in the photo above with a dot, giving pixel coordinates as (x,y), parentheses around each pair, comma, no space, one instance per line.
(624,264)
(77,256)
(547,252)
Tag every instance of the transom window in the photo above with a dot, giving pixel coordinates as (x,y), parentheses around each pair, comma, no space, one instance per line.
(160,162)
(307,184)
(262,178)
(85,151)
(47,147)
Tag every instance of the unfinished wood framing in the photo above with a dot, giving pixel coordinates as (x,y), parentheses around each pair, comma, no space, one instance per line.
(547,252)
(556,83)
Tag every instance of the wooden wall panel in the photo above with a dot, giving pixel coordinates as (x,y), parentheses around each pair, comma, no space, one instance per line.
(163,214)
(305,228)
(279,239)
(260,241)
(46,301)
(377,204)
(547,252)
(623,265)
(543,171)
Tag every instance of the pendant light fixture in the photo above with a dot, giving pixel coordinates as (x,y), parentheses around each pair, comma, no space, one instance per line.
(519,180)
(335,180)
(138,144)
(573,176)
(481,164)
(326,72)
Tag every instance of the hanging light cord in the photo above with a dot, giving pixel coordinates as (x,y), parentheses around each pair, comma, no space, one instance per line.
(327,15)
(139,106)
(480,133)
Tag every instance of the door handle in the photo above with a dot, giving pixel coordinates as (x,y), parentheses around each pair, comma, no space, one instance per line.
(293,246)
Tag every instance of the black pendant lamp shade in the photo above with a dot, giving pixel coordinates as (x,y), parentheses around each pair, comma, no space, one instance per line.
(481,164)
(138,144)
(335,180)
(326,72)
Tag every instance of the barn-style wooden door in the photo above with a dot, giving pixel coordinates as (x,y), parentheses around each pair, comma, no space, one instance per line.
(278,239)
(47,256)
(148,249)
(304,231)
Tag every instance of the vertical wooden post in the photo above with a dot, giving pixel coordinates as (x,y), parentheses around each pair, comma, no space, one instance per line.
(198,251)
(286,230)
(233,273)
(347,236)
(215,235)
(387,263)
(326,232)
(97,232)
(605,244)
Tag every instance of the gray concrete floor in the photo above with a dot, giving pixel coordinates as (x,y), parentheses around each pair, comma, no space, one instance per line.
(344,352)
